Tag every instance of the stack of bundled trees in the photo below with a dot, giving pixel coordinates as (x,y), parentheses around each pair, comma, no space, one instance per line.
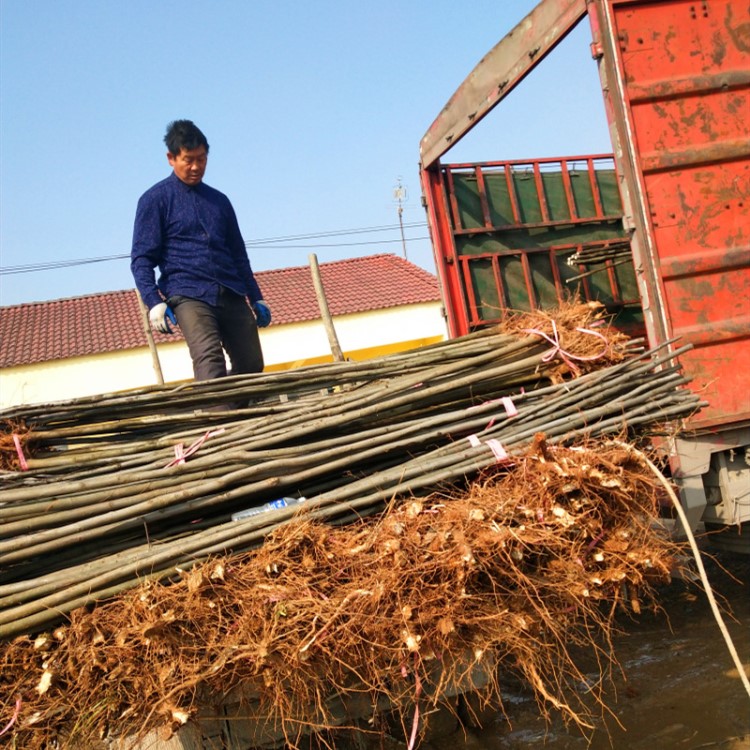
(133,489)
(123,502)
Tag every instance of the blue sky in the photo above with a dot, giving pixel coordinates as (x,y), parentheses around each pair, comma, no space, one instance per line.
(314,111)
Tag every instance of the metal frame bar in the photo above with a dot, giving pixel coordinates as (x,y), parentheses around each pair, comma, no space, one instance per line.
(465,260)
(499,72)
(508,168)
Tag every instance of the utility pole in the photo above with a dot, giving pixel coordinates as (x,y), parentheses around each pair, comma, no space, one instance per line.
(399,193)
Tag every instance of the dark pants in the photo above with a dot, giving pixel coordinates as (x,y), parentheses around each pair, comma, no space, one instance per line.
(210,331)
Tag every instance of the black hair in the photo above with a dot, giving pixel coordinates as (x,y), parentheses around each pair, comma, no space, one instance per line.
(184,134)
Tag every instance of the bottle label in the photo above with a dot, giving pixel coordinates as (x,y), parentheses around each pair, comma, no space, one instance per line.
(281,502)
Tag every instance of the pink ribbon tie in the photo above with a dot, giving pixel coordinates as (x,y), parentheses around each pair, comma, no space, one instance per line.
(19,450)
(181,455)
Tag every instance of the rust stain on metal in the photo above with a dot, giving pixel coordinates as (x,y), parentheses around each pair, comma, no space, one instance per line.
(719,49)
(738,33)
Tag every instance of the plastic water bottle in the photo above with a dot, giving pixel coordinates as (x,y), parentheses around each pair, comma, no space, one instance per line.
(282,502)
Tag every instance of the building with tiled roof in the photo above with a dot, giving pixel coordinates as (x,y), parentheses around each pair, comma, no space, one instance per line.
(98,344)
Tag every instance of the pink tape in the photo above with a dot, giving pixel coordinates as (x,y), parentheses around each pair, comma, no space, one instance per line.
(474,441)
(599,336)
(506,401)
(417,694)
(510,407)
(13,718)
(567,357)
(19,450)
(497,448)
(181,455)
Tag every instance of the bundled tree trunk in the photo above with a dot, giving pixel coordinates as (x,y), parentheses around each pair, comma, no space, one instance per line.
(132,487)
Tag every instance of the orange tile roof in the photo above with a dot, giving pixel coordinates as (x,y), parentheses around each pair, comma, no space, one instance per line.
(111,321)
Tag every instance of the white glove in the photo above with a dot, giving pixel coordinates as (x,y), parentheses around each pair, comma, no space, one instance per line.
(159,317)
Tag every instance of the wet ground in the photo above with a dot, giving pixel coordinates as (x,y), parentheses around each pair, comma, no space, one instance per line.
(680,688)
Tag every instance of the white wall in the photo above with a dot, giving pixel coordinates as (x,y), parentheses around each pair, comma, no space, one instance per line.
(283,346)
(79,376)
(296,342)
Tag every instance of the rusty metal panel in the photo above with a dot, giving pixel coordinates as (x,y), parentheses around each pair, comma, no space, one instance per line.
(678,76)
(499,71)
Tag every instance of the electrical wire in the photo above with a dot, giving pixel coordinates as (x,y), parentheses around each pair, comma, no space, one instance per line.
(348,244)
(335,233)
(51,265)
(267,242)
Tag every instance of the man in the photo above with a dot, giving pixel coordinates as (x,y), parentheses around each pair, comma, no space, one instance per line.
(190,231)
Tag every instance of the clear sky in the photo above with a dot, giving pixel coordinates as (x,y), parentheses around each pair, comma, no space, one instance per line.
(314,111)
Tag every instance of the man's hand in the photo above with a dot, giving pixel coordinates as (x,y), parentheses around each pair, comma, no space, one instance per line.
(262,313)
(160,316)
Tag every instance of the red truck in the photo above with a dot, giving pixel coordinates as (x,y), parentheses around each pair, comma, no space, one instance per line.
(659,230)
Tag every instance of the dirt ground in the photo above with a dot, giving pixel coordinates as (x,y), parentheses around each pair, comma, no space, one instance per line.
(679,690)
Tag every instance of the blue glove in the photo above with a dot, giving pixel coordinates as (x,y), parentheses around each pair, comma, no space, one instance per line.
(170,317)
(160,316)
(262,313)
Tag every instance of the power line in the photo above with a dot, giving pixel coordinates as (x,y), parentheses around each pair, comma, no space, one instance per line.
(53,264)
(335,233)
(345,244)
(270,242)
